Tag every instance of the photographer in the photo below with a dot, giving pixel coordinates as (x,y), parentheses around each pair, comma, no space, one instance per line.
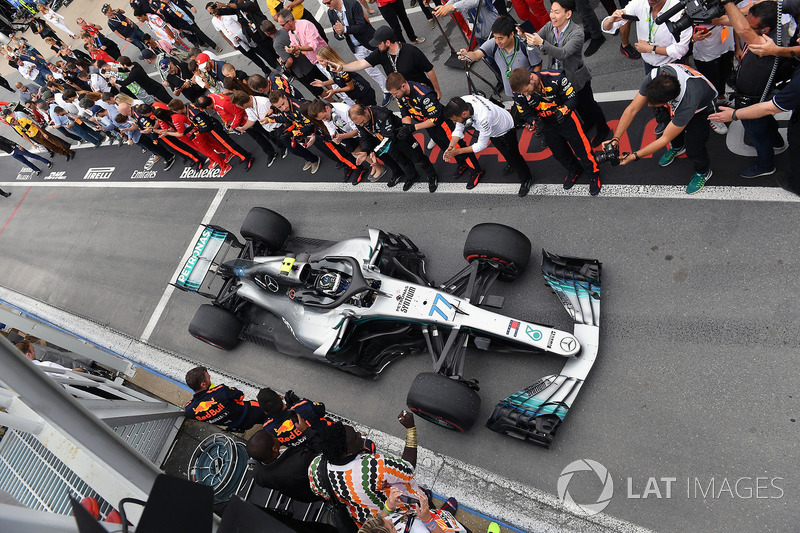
(656,44)
(788,99)
(691,97)
(548,96)
(754,75)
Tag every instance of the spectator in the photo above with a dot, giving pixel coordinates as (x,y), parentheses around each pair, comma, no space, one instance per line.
(179,125)
(282,469)
(21,154)
(209,72)
(27,93)
(220,404)
(296,128)
(421,110)
(788,99)
(658,49)
(560,42)
(298,12)
(50,357)
(362,480)
(383,521)
(481,27)
(753,82)
(61,118)
(123,27)
(394,56)
(55,19)
(178,77)
(691,97)
(350,85)
(382,132)
(548,96)
(136,74)
(337,131)
(228,26)
(250,17)
(256,122)
(149,125)
(493,124)
(303,36)
(205,123)
(164,35)
(102,43)
(297,65)
(43,30)
(130,128)
(27,129)
(507,50)
(29,71)
(179,15)
(351,25)
(394,13)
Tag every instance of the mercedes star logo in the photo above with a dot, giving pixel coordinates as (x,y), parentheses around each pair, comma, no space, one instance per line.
(568,344)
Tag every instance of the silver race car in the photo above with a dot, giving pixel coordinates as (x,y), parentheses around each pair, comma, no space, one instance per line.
(360,303)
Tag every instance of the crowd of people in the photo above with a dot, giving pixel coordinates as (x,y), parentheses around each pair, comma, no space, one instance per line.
(304,454)
(102,93)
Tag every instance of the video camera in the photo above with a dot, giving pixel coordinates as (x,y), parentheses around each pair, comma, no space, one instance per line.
(695,12)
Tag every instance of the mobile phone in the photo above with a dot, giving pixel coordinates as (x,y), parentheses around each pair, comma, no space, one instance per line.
(409,500)
(630,17)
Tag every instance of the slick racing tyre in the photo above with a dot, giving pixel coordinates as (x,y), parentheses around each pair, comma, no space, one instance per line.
(266,226)
(216,326)
(506,248)
(443,401)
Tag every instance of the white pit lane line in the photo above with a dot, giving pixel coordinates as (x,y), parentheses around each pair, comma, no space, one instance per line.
(162,303)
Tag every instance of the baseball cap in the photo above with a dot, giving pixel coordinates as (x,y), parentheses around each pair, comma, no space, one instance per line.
(202,59)
(96,109)
(105,8)
(164,63)
(147,54)
(383,33)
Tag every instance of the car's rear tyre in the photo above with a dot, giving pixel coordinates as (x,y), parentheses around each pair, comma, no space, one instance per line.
(266,226)
(505,247)
(443,401)
(216,326)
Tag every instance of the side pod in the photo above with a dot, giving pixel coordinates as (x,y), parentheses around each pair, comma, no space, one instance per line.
(536,412)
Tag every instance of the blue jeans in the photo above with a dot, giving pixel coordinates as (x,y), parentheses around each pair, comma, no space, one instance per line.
(86,133)
(763,134)
(21,156)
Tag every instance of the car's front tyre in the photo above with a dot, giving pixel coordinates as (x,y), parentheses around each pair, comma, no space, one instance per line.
(444,401)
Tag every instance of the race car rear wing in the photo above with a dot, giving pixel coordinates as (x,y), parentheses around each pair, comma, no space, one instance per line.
(213,247)
(536,412)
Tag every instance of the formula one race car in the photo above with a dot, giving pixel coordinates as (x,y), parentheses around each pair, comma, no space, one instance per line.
(360,303)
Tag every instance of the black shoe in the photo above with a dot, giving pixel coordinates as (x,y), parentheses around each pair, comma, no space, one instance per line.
(199,165)
(283,151)
(5,194)
(601,136)
(459,172)
(571,178)
(395,180)
(169,162)
(630,52)
(410,183)
(270,159)
(339,164)
(524,189)
(594,46)
(594,185)
(359,175)
(474,178)
(52,154)
(49,164)
(348,174)
(659,129)
(433,183)
(248,163)
(508,169)
(387,97)
(38,172)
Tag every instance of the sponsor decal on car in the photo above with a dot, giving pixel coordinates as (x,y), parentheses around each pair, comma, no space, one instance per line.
(404,299)
(513,325)
(534,334)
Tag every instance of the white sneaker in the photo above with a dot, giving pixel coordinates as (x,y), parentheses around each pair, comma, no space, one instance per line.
(719,127)
(431,144)
(781,149)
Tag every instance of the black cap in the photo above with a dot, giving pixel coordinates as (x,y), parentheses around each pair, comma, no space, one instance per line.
(147,54)
(383,33)
(105,8)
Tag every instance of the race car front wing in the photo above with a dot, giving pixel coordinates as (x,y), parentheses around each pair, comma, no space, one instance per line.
(536,412)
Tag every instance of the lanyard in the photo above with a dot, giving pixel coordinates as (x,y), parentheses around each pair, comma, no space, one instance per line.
(509,63)
(393,58)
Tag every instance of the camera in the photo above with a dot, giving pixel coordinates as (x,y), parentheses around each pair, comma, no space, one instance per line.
(610,154)
(409,500)
(694,12)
